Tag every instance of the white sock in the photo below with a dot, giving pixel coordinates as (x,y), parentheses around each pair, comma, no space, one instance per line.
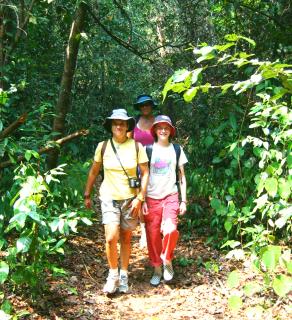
(114,272)
(123,273)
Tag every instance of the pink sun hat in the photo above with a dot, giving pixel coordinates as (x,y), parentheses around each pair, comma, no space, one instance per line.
(163,119)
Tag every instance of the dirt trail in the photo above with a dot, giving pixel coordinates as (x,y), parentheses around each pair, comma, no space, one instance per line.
(196,293)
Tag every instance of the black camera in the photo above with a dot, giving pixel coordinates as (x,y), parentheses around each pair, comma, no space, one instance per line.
(134,183)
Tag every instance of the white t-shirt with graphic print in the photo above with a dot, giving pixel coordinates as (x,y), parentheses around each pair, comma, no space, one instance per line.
(162,180)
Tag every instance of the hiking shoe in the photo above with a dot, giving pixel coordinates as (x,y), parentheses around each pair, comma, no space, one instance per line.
(112,283)
(124,287)
(168,272)
(155,280)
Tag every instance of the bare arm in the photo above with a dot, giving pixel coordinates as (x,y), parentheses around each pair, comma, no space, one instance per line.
(93,172)
(183,190)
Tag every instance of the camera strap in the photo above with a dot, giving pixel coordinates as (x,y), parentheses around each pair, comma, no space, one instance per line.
(115,151)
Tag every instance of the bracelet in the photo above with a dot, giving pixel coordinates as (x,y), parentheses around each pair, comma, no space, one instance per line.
(184,201)
(140,197)
(87,196)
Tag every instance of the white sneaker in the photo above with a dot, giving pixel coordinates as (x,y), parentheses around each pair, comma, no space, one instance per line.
(123,287)
(168,272)
(112,283)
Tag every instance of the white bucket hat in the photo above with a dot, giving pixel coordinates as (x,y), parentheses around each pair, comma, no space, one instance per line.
(119,114)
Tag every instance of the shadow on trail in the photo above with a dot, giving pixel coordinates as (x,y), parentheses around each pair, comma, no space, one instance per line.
(192,294)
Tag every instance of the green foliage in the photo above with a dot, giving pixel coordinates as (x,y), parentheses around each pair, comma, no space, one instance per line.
(234,303)
(4,271)
(38,227)
(184,262)
(250,176)
(270,273)
(233,279)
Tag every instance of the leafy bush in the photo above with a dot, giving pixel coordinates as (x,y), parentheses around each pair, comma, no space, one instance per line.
(272,271)
(39,226)
(249,176)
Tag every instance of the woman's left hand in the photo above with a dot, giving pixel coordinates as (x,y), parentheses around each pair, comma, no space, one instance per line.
(135,207)
(182,208)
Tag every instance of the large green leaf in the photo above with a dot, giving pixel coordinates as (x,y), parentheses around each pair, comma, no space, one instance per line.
(270,256)
(289,267)
(234,303)
(282,285)
(271,185)
(195,75)
(54,225)
(6,307)
(284,188)
(4,271)
(233,279)
(167,87)
(228,225)
(232,121)
(285,214)
(180,75)
(23,244)
(251,288)
(86,221)
(216,203)
(19,218)
(190,94)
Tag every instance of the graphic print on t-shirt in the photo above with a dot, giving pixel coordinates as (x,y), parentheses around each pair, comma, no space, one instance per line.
(161,166)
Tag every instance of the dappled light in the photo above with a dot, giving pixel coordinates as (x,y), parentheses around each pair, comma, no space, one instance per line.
(219,74)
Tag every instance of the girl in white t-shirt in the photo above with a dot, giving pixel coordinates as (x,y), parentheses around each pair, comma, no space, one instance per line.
(162,204)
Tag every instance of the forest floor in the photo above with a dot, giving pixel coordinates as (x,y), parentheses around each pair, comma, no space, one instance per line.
(198,291)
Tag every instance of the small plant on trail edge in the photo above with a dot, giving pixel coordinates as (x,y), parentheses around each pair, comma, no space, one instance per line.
(37,228)
(183,261)
(271,271)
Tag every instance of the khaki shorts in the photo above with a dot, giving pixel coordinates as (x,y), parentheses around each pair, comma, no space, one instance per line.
(118,212)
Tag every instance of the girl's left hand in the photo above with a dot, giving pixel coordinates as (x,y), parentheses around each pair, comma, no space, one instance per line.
(135,207)
(182,208)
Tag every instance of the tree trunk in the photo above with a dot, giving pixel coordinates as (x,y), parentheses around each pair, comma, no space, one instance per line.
(161,36)
(1,45)
(63,104)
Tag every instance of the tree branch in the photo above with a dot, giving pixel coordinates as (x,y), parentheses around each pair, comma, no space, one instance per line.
(117,39)
(51,145)
(127,45)
(255,10)
(125,14)
(13,126)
